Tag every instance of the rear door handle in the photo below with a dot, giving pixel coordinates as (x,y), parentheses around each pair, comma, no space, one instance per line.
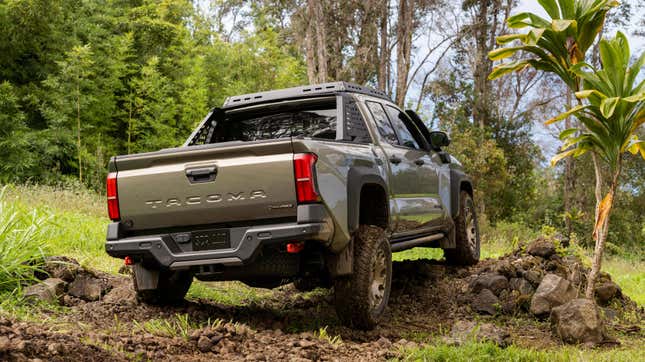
(395,160)
(419,162)
(201,174)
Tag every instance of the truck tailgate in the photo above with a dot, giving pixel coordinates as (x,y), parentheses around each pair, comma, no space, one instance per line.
(198,185)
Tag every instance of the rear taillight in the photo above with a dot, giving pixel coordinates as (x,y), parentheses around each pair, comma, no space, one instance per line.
(112,197)
(303,165)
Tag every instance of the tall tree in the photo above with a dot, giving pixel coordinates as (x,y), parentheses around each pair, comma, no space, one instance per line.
(404,31)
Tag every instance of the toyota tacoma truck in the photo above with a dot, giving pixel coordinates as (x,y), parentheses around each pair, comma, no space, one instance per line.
(316,185)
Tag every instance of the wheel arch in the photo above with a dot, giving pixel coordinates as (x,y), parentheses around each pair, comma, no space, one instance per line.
(459,181)
(367,199)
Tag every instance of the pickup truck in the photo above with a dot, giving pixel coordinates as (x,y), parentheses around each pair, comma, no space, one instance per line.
(315,185)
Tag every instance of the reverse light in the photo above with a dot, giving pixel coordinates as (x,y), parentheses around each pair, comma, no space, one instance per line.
(112,197)
(303,165)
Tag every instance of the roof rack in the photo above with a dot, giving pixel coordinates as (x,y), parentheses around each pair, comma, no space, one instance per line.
(302,91)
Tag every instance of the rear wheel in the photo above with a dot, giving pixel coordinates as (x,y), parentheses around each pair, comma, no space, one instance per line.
(467,234)
(361,298)
(171,288)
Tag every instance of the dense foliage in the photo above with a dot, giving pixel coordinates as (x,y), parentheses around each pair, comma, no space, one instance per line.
(83,80)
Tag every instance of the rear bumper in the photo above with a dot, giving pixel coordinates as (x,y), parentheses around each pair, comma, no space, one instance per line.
(313,224)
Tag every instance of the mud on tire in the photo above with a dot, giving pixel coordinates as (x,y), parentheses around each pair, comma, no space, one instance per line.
(361,298)
(171,290)
(467,234)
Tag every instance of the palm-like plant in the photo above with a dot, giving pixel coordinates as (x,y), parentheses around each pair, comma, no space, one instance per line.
(555,45)
(614,111)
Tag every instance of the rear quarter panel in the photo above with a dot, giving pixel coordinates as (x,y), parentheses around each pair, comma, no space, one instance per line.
(335,160)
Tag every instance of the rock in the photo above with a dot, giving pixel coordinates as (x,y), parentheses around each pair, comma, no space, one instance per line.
(50,290)
(86,287)
(525,263)
(119,295)
(534,276)
(485,302)
(61,267)
(383,342)
(505,268)
(54,348)
(552,292)
(5,343)
(577,321)
(542,248)
(491,281)
(204,344)
(522,286)
(606,292)
(466,331)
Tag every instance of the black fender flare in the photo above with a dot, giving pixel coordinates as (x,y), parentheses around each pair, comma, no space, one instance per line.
(457,179)
(357,177)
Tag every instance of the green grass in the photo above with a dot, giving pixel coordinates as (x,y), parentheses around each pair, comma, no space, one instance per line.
(475,351)
(23,243)
(231,293)
(177,326)
(70,222)
(629,274)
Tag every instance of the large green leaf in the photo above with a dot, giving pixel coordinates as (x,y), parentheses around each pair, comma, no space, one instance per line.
(562,155)
(564,115)
(567,132)
(502,53)
(551,7)
(506,68)
(503,39)
(560,25)
(608,105)
(587,93)
(525,19)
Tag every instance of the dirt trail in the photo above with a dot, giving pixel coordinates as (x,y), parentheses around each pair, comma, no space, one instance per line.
(427,299)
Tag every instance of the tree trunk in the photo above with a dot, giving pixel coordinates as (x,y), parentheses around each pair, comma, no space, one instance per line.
(568,181)
(479,87)
(309,45)
(78,133)
(404,31)
(384,56)
(484,42)
(321,39)
(601,236)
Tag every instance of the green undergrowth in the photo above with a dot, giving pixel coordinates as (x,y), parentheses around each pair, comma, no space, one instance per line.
(475,351)
(231,293)
(68,221)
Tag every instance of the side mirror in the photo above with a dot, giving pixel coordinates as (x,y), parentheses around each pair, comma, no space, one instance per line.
(438,140)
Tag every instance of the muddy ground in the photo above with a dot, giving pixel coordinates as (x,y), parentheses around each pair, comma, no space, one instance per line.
(427,299)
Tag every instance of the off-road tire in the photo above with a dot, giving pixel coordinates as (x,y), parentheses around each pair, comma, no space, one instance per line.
(355,295)
(467,234)
(171,290)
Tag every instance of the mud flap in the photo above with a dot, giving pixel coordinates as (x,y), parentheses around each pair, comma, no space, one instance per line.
(450,240)
(341,263)
(146,279)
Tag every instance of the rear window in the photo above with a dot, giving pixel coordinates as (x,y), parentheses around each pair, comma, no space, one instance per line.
(313,118)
